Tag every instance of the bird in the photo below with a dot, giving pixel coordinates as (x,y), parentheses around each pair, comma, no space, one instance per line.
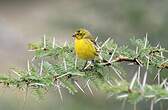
(85,45)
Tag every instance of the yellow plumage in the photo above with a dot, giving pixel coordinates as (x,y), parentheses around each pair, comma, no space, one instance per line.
(85,47)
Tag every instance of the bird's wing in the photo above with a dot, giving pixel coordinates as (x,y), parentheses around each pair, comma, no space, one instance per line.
(95,45)
(92,39)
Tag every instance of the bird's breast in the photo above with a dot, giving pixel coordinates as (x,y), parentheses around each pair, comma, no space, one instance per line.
(85,49)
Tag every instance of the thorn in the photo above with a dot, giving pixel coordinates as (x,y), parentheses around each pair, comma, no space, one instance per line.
(161,53)
(96,39)
(31,50)
(65,65)
(100,57)
(79,87)
(28,67)
(105,42)
(164,82)
(146,73)
(34,57)
(109,82)
(164,61)
(158,76)
(16,73)
(166,86)
(139,76)
(53,44)
(152,104)
(122,96)
(44,41)
(136,51)
(133,81)
(89,87)
(41,67)
(76,61)
(65,43)
(111,58)
(118,74)
(139,73)
(144,79)
(146,40)
(59,90)
(147,65)
(89,63)
(63,75)
(139,62)
(158,45)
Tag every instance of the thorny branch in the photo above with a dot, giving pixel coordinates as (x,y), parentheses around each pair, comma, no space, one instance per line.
(63,70)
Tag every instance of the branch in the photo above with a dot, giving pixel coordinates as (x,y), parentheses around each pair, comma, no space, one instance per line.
(53,63)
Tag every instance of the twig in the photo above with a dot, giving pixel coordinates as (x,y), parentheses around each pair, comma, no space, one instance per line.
(123,59)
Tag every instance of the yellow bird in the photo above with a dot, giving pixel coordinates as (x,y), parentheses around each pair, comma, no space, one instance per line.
(85,46)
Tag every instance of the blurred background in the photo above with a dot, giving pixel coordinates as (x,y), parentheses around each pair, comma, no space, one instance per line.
(25,21)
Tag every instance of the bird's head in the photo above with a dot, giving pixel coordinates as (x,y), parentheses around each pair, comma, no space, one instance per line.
(81,34)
